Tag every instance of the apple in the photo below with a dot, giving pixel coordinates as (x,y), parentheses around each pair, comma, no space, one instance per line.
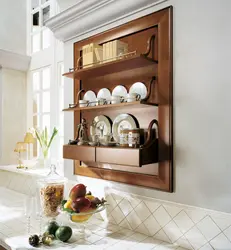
(77,191)
(81,204)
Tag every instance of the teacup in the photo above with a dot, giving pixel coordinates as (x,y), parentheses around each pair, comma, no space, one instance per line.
(106,138)
(83,103)
(94,138)
(101,101)
(132,97)
(115,99)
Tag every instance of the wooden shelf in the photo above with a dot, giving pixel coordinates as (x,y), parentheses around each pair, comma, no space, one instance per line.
(134,157)
(131,63)
(137,104)
(151,166)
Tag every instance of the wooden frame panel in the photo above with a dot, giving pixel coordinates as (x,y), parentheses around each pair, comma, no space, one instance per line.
(163,21)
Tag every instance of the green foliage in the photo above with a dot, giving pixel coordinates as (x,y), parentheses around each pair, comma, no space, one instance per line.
(44,140)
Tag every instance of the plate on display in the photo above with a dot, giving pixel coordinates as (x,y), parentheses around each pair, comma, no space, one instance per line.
(119,91)
(105,94)
(123,121)
(139,88)
(101,126)
(91,97)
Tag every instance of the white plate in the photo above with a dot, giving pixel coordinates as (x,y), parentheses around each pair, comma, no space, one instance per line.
(91,97)
(120,91)
(123,121)
(100,122)
(105,94)
(139,88)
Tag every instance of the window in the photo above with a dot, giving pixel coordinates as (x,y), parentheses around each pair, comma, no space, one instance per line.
(46,113)
(45,87)
(41,101)
(40,35)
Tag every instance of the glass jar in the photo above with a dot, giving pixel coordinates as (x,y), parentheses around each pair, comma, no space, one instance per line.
(124,137)
(134,138)
(51,189)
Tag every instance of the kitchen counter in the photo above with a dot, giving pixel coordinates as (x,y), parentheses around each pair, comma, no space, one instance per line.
(104,235)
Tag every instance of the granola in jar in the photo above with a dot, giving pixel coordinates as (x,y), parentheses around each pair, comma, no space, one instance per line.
(51,189)
(51,198)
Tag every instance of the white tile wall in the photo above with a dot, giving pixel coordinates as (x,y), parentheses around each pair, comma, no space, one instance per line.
(183,226)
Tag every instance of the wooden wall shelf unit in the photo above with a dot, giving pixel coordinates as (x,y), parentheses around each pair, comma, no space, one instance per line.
(135,157)
(152,164)
(125,105)
(130,63)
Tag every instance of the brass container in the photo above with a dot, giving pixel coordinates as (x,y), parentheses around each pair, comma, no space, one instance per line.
(134,138)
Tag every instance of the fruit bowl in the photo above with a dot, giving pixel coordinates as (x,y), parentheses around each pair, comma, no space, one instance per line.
(81,218)
(81,205)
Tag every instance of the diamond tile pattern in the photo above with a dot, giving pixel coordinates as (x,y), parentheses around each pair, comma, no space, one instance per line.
(223,222)
(125,207)
(117,215)
(221,242)
(227,232)
(142,229)
(195,237)
(172,210)
(186,227)
(208,228)
(162,216)
(183,242)
(133,220)
(142,211)
(183,222)
(152,225)
(173,232)
(152,206)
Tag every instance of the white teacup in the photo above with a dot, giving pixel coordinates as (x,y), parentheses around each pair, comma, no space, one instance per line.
(94,138)
(83,103)
(132,97)
(106,138)
(115,99)
(100,101)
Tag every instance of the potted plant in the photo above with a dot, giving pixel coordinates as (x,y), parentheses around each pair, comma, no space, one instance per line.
(45,141)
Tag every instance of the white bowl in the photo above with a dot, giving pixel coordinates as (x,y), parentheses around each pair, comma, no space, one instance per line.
(83,103)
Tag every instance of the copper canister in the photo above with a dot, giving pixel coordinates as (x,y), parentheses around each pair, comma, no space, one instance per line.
(134,138)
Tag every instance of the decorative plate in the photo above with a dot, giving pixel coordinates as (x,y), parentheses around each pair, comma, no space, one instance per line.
(91,97)
(105,94)
(123,121)
(139,88)
(101,125)
(120,91)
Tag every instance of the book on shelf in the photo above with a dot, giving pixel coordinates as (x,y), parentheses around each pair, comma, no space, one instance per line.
(119,48)
(104,51)
(92,53)
(113,49)
(99,54)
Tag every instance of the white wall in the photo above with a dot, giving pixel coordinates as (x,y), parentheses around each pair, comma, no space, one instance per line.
(13,25)
(1,122)
(202,94)
(13,113)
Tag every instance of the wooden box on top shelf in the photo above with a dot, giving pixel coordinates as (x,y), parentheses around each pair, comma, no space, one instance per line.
(148,62)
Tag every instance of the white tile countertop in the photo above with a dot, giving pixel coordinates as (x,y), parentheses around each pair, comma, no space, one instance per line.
(31,171)
(104,235)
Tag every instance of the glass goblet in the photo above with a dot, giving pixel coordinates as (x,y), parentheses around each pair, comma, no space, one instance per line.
(81,218)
